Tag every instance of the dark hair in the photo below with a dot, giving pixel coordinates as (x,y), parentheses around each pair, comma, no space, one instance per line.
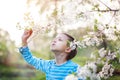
(73,53)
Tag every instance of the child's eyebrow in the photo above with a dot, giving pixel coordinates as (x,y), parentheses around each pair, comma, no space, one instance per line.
(59,38)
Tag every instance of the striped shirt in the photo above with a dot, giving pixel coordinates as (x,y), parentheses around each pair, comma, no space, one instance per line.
(49,67)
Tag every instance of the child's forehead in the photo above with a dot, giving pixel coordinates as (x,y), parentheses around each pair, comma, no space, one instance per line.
(61,35)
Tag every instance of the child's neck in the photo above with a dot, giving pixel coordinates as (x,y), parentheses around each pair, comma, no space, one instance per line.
(60,58)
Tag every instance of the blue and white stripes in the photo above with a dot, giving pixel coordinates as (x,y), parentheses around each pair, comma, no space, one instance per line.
(49,67)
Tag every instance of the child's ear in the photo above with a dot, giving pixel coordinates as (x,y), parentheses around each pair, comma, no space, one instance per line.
(68,50)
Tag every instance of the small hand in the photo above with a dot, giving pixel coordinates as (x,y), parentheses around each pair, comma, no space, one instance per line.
(27,33)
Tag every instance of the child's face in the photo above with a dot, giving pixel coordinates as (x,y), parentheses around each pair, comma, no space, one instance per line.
(59,43)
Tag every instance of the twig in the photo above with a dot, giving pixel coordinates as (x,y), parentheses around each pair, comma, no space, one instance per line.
(114,10)
(105,5)
(112,18)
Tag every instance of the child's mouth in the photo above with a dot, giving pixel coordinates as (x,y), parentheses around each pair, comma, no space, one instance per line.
(53,44)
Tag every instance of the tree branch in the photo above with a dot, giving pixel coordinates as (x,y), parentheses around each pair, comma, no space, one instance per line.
(104,4)
(110,10)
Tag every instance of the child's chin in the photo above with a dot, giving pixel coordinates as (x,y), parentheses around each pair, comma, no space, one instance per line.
(53,50)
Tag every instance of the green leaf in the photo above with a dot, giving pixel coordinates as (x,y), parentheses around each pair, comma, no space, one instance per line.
(95,21)
(96,6)
(54,13)
(95,28)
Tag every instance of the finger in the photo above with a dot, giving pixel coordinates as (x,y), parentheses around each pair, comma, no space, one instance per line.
(30,31)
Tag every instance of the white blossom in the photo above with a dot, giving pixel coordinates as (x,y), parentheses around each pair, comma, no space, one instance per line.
(91,40)
(92,56)
(119,60)
(73,45)
(111,55)
(110,34)
(102,52)
(84,72)
(95,77)
(87,71)
(111,71)
(107,71)
(71,77)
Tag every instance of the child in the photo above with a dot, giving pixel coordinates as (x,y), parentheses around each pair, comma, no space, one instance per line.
(62,65)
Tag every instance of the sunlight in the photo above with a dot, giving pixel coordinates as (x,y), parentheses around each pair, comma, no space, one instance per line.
(11,12)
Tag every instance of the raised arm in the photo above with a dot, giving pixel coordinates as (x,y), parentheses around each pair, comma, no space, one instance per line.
(26,53)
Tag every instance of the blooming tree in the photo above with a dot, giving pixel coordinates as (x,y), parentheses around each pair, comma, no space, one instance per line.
(102,16)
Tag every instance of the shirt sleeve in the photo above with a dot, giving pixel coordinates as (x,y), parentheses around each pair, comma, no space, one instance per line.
(38,63)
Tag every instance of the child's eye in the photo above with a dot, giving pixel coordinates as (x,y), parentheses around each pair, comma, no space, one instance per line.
(60,39)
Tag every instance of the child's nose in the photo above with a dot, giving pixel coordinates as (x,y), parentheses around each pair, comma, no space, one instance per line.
(54,41)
